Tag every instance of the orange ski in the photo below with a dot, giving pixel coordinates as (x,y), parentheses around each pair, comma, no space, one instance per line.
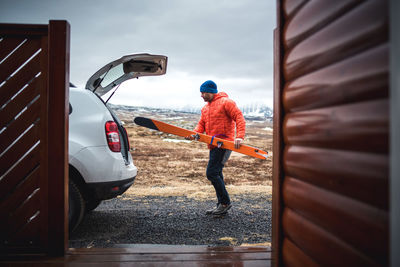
(222,143)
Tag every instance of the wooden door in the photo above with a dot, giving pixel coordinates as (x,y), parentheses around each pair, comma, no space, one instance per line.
(331,123)
(34,80)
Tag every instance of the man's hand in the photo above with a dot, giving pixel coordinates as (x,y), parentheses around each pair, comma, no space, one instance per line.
(192,137)
(189,137)
(238,142)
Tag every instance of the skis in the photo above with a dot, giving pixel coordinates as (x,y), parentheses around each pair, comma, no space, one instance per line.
(226,144)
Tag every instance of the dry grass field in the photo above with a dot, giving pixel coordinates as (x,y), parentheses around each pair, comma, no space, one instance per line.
(170,166)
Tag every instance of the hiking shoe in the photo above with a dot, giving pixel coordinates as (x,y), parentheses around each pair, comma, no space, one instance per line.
(221,209)
(210,211)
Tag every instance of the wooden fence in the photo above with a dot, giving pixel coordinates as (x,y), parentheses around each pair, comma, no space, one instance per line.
(34,76)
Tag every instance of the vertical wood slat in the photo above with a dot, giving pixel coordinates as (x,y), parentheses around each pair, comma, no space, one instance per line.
(394,170)
(277,233)
(44,226)
(59,47)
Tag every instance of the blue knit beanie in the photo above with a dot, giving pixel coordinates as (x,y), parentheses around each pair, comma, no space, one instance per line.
(209,87)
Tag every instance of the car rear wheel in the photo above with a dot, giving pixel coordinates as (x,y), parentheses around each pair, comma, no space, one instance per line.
(76,206)
(92,204)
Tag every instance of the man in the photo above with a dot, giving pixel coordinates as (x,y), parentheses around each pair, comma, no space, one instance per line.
(220,117)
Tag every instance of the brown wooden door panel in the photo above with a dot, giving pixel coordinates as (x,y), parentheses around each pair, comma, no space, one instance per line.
(291,6)
(27,211)
(18,104)
(325,248)
(21,78)
(358,127)
(356,223)
(14,153)
(19,58)
(34,77)
(29,234)
(20,193)
(331,133)
(294,256)
(343,38)
(19,125)
(353,174)
(23,192)
(359,78)
(8,45)
(312,17)
(19,172)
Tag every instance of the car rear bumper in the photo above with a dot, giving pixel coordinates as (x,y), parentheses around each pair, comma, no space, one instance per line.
(100,165)
(108,190)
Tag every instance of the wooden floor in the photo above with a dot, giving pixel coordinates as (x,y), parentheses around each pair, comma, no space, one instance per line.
(149,255)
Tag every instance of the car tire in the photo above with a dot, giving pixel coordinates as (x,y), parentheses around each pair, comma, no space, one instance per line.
(92,204)
(76,205)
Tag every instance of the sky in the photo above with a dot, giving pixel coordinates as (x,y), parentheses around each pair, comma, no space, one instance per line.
(227,41)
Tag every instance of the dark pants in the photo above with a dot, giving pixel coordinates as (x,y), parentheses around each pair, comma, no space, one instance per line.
(218,157)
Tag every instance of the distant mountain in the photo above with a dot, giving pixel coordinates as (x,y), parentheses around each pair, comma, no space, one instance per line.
(134,108)
(257,111)
(250,112)
(254,111)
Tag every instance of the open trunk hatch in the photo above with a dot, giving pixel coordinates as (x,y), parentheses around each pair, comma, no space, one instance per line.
(125,68)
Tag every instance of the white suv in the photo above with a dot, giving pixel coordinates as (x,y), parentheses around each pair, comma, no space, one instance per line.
(100,165)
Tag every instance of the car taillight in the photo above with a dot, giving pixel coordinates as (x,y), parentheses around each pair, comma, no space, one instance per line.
(113,136)
(127,137)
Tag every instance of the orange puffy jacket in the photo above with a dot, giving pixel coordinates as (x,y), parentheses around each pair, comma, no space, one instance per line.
(219,118)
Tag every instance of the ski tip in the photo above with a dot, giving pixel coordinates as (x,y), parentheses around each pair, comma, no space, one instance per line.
(145,122)
(138,120)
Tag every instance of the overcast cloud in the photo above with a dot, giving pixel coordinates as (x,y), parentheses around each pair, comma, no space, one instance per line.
(229,42)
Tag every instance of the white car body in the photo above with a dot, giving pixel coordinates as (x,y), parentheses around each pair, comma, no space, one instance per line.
(100,164)
(88,149)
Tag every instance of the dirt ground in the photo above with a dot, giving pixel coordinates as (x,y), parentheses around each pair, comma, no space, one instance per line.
(171,166)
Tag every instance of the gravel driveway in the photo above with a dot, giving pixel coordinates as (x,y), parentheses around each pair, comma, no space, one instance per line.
(176,220)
